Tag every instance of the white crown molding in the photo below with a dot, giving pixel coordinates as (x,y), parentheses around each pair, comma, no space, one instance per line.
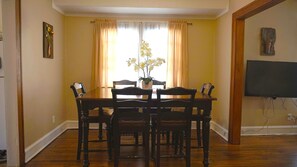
(142,16)
(222,13)
(194,9)
(54,6)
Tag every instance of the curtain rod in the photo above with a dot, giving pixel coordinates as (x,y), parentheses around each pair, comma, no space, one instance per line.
(187,23)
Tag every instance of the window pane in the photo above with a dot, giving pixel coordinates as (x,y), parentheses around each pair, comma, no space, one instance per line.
(156,34)
(127,47)
(129,36)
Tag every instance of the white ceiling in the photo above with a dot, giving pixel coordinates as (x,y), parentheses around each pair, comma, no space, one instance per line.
(177,8)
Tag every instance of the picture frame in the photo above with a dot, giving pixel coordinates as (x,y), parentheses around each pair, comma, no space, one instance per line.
(268,38)
(48,41)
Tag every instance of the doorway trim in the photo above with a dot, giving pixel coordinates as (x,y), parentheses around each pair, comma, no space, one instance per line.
(20,83)
(237,63)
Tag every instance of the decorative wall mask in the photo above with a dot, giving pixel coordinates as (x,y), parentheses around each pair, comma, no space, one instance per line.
(268,37)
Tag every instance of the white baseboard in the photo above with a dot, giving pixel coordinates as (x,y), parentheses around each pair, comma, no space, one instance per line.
(268,130)
(215,127)
(40,144)
(256,130)
(219,130)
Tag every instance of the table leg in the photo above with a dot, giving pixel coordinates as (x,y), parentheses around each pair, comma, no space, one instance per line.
(205,133)
(85,139)
(100,136)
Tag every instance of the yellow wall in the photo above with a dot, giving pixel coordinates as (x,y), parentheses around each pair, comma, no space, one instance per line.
(43,79)
(222,65)
(78,55)
(278,17)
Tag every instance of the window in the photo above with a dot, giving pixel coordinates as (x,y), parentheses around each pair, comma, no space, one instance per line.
(129,36)
(116,42)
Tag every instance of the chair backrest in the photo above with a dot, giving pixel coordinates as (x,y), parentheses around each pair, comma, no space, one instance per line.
(207,88)
(178,97)
(159,83)
(124,83)
(78,91)
(131,98)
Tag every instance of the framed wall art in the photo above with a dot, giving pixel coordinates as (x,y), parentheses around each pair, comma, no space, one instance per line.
(268,37)
(48,41)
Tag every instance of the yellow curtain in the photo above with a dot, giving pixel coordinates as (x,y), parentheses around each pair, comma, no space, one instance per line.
(104,43)
(177,63)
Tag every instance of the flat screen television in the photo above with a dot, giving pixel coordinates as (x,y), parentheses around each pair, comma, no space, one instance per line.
(271,79)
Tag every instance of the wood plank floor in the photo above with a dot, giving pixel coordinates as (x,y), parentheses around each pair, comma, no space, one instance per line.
(254,151)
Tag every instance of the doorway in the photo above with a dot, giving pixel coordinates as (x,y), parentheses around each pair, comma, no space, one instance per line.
(236,87)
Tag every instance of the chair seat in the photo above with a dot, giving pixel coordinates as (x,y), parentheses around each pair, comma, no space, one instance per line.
(173,123)
(134,123)
(108,111)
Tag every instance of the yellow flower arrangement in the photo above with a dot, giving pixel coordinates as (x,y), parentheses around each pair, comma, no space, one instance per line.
(147,63)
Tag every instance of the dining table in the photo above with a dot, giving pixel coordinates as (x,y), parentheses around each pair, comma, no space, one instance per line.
(102,97)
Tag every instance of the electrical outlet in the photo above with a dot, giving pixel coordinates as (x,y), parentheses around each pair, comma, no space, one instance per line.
(53,119)
(291,117)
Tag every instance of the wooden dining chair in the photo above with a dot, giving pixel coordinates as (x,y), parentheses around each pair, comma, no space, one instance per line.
(124,83)
(206,89)
(94,116)
(124,121)
(177,121)
(159,83)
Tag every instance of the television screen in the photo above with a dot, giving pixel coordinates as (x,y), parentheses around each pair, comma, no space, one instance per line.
(271,79)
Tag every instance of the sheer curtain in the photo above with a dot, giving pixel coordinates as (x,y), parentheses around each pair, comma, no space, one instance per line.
(104,36)
(177,74)
(129,36)
(156,34)
(127,47)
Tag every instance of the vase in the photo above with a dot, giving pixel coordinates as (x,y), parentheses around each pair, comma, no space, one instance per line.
(146,86)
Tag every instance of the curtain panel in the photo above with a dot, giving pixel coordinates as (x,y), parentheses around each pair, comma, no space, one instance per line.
(104,47)
(177,63)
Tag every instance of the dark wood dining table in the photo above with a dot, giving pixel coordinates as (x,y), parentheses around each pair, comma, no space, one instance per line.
(103,98)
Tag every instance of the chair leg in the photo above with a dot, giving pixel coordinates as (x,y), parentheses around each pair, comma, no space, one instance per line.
(100,135)
(176,139)
(198,129)
(168,137)
(158,149)
(109,144)
(136,138)
(153,140)
(181,144)
(117,145)
(146,147)
(188,146)
(173,137)
(79,141)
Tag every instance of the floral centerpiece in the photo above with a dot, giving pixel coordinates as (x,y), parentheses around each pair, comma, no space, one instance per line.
(146,63)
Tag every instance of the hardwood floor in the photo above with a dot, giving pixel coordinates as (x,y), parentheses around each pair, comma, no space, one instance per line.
(254,151)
